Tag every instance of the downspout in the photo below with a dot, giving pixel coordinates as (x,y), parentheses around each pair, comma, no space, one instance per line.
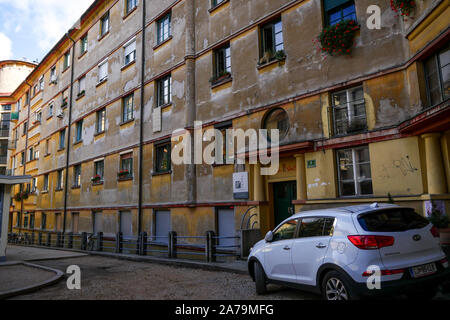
(141,127)
(26,151)
(69,130)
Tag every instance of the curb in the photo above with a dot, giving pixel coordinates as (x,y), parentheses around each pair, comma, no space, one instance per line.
(12,293)
(148,259)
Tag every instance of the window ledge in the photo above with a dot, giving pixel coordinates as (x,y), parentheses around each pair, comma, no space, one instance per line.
(155,174)
(98,183)
(44,192)
(81,95)
(164,106)
(211,10)
(220,81)
(64,71)
(59,189)
(82,55)
(78,142)
(76,187)
(99,133)
(125,179)
(47,155)
(50,117)
(128,65)
(101,37)
(264,65)
(61,149)
(216,165)
(101,82)
(129,13)
(126,122)
(156,46)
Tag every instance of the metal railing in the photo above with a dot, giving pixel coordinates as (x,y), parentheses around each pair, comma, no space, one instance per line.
(209,247)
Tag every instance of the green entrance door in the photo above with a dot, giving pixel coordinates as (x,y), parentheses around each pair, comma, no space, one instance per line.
(284,193)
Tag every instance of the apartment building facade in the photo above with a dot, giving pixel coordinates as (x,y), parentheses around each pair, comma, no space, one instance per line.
(97,114)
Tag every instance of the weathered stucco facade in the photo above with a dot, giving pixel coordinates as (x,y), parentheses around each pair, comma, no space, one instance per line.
(405,139)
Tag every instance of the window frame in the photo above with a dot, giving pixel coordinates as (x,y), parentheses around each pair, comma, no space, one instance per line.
(102,64)
(436,59)
(159,87)
(262,50)
(160,24)
(79,131)
(127,157)
(133,53)
(157,160)
(339,8)
(59,180)
(222,61)
(100,115)
(66,61)
(128,8)
(77,176)
(105,18)
(84,44)
(350,105)
(127,111)
(355,166)
(62,139)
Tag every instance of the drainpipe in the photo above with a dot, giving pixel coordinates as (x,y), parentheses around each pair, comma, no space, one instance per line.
(26,151)
(141,126)
(66,180)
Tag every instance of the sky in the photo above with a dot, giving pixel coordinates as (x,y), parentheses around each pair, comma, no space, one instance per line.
(30,28)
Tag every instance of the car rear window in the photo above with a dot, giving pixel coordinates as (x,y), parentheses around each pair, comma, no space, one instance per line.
(392,220)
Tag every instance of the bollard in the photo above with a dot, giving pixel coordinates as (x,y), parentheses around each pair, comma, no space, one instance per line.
(84,241)
(173,245)
(119,244)
(70,240)
(58,239)
(210,247)
(99,241)
(143,244)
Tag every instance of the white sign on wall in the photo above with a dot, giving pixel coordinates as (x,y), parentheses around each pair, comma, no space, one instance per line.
(240,185)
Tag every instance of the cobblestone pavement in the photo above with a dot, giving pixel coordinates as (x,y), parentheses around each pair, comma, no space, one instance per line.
(105,278)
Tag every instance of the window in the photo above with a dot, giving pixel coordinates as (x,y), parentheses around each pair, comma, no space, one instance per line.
(163,26)
(59,180)
(339,10)
(66,62)
(27,98)
(62,139)
(286,231)
(53,75)
(25,128)
(437,75)
(349,111)
(316,227)
(22,158)
(77,175)
(215,3)
(130,5)
(50,110)
(222,62)
(101,119)
(104,24)
(222,142)
(33,185)
(36,153)
(79,131)
(277,119)
(163,158)
(65,98)
(19,105)
(354,172)
(163,226)
(81,86)
(31,154)
(38,116)
(99,168)
(392,220)
(25,221)
(129,52)
(102,71)
(164,93)
(127,108)
(47,147)
(41,83)
(83,44)
(271,40)
(45,186)
(126,164)
(31,220)
(43,221)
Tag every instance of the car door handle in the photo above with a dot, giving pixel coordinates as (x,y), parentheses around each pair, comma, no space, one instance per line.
(321,246)
(286,248)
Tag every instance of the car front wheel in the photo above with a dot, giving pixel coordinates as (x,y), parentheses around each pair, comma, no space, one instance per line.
(260,279)
(336,287)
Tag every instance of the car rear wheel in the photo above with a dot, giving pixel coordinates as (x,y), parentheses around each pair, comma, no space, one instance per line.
(336,287)
(260,279)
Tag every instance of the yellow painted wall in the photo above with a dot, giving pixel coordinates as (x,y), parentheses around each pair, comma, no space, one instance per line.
(321,181)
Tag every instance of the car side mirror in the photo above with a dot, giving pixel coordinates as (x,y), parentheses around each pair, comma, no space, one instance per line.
(269,236)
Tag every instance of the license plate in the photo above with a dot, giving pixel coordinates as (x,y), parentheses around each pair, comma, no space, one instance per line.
(425,270)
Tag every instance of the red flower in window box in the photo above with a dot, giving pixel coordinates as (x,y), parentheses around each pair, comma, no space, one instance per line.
(404,8)
(339,38)
(96,179)
(123,174)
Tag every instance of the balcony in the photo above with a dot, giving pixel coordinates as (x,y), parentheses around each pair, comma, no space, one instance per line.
(349,118)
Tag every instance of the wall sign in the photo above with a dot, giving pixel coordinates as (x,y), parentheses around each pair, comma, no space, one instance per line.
(311,164)
(240,185)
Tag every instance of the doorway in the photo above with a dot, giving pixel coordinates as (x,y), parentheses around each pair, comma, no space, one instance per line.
(283,195)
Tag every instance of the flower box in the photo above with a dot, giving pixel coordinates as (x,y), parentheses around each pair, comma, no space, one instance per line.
(404,8)
(338,39)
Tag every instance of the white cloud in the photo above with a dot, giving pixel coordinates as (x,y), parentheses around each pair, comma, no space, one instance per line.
(5,47)
(46,20)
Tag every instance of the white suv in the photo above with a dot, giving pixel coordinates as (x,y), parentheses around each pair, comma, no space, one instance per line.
(334,252)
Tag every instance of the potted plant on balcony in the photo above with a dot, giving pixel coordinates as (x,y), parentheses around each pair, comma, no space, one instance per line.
(123,174)
(23,195)
(96,179)
(339,38)
(404,8)
(440,221)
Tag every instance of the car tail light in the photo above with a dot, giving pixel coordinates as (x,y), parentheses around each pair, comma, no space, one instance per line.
(435,232)
(371,242)
(385,272)
(444,262)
